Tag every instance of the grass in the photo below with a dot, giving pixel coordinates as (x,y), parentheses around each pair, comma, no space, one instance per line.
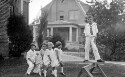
(17,68)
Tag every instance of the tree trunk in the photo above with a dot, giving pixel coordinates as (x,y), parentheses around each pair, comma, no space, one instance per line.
(4,15)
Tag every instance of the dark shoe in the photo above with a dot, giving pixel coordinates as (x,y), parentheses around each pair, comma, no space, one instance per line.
(27,74)
(85,60)
(100,60)
(62,74)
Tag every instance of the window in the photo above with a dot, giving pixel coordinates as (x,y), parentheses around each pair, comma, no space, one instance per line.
(61,17)
(73,15)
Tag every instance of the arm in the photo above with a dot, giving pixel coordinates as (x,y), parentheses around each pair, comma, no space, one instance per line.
(29,56)
(57,54)
(86,31)
(49,59)
(30,60)
(42,53)
(95,30)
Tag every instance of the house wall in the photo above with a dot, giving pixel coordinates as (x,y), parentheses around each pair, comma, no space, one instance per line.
(66,7)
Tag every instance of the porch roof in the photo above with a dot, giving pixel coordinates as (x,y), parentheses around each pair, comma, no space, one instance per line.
(61,22)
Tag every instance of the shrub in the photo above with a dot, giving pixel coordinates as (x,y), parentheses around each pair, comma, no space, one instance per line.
(20,35)
(56,38)
(111,45)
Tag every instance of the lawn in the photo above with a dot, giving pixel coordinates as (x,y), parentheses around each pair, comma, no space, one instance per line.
(18,67)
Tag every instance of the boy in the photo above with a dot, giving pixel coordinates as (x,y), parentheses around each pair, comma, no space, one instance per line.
(30,57)
(90,34)
(59,54)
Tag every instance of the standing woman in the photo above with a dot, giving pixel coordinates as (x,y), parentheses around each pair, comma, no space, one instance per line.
(90,32)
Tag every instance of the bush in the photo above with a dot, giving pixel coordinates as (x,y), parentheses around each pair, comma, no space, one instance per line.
(111,45)
(20,35)
(56,38)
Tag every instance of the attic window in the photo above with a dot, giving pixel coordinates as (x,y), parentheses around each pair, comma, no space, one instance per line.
(61,17)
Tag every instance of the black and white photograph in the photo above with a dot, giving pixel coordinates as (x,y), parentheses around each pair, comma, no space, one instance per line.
(62,38)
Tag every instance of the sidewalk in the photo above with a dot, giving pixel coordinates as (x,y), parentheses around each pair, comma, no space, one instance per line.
(67,58)
(71,58)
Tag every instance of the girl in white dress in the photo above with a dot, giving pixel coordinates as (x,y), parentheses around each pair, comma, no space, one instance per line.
(53,58)
(59,54)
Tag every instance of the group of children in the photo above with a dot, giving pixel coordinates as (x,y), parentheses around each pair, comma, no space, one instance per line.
(45,58)
(52,57)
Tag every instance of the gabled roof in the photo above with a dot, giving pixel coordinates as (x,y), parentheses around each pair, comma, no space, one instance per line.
(47,6)
(84,7)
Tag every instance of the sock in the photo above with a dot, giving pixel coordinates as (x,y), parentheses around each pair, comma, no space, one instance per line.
(45,73)
(61,69)
(54,72)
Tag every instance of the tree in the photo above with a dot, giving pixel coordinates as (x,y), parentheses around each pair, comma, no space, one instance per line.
(19,34)
(42,28)
(108,17)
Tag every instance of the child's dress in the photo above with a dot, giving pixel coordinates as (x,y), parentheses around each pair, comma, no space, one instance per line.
(46,60)
(53,56)
(38,62)
(60,53)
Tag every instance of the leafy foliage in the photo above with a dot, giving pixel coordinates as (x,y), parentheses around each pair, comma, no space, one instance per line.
(108,18)
(19,34)
(56,38)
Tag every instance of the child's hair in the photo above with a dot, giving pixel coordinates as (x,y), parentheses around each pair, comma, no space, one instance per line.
(58,43)
(43,44)
(50,43)
(88,17)
(32,45)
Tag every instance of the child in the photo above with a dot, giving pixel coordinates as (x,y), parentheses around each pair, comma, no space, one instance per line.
(44,57)
(38,63)
(30,57)
(91,31)
(53,58)
(59,54)
(43,49)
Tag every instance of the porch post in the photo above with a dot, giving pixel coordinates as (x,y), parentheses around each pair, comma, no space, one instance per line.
(70,34)
(34,33)
(21,6)
(51,31)
(77,35)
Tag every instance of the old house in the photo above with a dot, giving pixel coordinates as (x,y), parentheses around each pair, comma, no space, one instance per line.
(67,19)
